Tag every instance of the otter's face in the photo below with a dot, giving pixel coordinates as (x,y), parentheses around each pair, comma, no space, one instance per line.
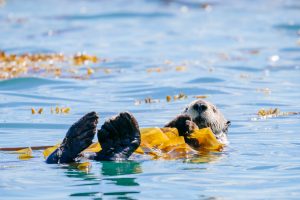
(205,114)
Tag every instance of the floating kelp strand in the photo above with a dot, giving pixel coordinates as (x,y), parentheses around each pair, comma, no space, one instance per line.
(13,66)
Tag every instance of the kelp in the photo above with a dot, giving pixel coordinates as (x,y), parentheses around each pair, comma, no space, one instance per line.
(24,154)
(46,64)
(165,143)
(83,166)
(207,139)
(149,100)
(158,143)
(268,113)
(49,150)
(56,110)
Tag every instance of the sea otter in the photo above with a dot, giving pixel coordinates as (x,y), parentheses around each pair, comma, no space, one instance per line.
(120,135)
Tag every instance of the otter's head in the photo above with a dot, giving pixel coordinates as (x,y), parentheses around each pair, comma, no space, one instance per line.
(205,114)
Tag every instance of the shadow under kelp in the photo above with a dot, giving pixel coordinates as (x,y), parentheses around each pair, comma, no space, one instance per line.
(205,157)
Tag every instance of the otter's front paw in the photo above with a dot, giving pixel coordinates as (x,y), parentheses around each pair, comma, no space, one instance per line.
(119,137)
(78,138)
(184,125)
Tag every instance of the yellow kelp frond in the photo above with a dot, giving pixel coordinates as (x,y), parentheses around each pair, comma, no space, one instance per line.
(170,132)
(85,166)
(93,148)
(152,137)
(268,113)
(139,150)
(49,150)
(24,151)
(172,142)
(207,139)
(163,143)
(25,154)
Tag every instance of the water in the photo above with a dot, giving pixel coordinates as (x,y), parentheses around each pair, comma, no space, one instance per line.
(230,51)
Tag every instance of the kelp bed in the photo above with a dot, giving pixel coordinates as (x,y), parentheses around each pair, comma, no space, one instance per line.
(47,65)
(156,144)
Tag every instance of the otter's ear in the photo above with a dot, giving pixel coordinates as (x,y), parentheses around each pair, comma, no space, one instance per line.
(225,130)
(185,110)
(228,123)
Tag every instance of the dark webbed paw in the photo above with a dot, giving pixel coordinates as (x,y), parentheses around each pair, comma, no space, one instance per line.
(119,137)
(185,127)
(78,138)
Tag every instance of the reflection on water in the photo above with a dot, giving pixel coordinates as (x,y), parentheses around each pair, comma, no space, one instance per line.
(112,169)
(120,168)
(111,173)
(206,157)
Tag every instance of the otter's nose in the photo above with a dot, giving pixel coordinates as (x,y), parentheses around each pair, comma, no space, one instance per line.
(200,107)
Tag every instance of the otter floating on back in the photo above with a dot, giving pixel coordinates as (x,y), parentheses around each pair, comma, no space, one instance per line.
(120,136)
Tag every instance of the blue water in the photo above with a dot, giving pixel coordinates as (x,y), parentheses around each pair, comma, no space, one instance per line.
(227,50)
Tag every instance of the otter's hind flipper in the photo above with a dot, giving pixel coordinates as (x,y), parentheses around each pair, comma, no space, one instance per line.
(78,138)
(119,137)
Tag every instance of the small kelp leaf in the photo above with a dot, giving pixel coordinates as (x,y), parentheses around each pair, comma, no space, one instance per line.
(65,110)
(154,69)
(49,150)
(90,71)
(85,166)
(181,68)
(25,154)
(168,98)
(93,148)
(206,139)
(24,151)
(268,113)
(200,97)
(139,150)
(180,96)
(40,110)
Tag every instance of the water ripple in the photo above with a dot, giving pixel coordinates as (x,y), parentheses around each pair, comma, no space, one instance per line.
(111,16)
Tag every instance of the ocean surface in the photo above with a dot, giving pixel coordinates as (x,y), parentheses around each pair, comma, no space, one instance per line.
(242,55)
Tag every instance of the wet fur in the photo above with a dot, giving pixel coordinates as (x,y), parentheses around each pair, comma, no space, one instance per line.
(202,114)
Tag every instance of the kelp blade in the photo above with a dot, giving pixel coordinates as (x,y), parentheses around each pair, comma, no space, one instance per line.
(207,139)
(93,148)
(25,154)
(49,150)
